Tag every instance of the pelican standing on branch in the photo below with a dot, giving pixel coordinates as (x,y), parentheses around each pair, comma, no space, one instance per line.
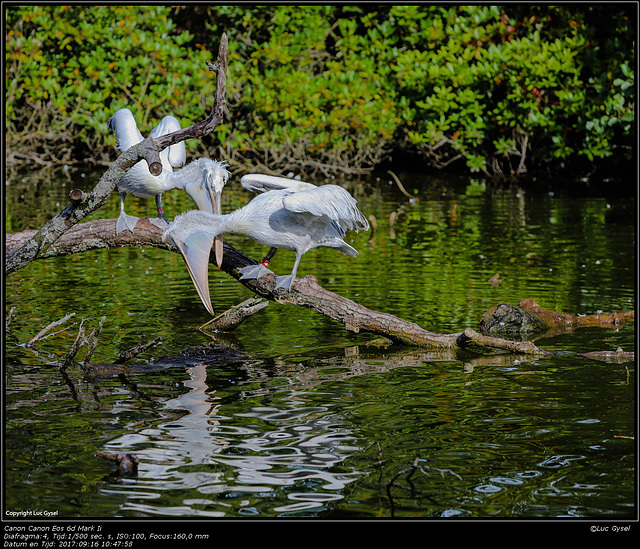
(203,179)
(287,214)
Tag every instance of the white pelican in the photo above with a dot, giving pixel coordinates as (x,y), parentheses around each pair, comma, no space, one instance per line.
(287,214)
(203,179)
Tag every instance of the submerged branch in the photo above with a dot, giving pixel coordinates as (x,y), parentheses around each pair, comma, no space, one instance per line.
(92,339)
(42,334)
(138,349)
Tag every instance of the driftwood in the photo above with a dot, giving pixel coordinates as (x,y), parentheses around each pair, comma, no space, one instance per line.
(305,292)
(528,318)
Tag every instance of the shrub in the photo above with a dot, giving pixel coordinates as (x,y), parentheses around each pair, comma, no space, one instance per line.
(70,68)
(301,105)
(497,90)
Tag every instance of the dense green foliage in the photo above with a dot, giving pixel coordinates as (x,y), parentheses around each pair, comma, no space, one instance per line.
(499,90)
(68,69)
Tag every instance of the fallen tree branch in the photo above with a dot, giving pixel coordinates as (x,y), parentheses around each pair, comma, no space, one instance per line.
(139,348)
(42,333)
(233,317)
(93,235)
(529,318)
(149,149)
(305,292)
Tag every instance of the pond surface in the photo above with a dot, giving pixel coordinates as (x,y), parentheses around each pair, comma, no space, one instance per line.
(316,421)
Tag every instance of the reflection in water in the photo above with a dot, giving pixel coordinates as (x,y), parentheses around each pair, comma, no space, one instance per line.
(288,446)
(288,450)
(283,437)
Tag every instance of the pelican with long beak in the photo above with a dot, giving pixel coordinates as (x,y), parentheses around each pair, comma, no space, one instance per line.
(292,215)
(203,179)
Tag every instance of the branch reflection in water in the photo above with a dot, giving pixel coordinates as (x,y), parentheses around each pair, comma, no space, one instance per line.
(288,449)
(213,454)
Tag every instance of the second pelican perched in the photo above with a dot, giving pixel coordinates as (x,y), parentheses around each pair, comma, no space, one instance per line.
(203,179)
(288,214)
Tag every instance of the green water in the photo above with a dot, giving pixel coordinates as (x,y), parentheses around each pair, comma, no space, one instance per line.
(317,421)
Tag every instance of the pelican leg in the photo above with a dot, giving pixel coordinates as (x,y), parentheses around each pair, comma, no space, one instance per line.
(125,222)
(259,270)
(159,221)
(285,282)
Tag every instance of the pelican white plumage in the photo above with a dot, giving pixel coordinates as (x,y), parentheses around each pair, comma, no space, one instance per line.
(203,179)
(287,214)
(260,183)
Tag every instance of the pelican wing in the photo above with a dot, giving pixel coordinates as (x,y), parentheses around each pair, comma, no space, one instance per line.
(174,156)
(331,201)
(124,126)
(259,183)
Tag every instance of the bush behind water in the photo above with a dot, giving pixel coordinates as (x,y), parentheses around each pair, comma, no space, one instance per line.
(324,89)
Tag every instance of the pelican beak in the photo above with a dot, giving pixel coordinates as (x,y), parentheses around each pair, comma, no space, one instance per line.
(208,201)
(217,241)
(195,251)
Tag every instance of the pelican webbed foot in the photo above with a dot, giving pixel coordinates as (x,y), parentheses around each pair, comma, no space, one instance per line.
(125,223)
(160,222)
(285,282)
(254,271)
